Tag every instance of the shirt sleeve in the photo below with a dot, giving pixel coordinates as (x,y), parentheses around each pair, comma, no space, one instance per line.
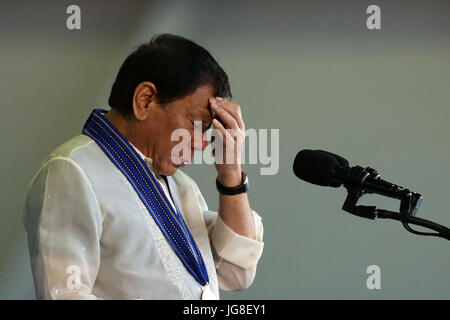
(235,256)
(63,222)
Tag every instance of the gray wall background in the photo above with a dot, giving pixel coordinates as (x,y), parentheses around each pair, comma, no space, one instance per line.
(309,68)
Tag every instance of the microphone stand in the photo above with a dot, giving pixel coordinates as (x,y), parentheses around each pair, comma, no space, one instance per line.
(409,204)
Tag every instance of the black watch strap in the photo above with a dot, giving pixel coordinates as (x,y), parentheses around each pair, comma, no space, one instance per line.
(227,191)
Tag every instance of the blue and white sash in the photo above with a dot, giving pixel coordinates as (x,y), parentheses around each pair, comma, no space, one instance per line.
(133,167)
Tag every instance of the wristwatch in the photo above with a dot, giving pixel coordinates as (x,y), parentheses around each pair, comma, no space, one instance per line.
(227,191)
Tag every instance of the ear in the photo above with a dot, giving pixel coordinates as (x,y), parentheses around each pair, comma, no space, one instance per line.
(143,99)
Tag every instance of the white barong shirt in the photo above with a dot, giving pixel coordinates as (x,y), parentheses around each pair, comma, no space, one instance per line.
(91,237)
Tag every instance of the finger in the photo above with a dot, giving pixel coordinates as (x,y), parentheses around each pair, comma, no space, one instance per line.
(224,133)
(225,116)
(234,109)
(237,133)
(227,150)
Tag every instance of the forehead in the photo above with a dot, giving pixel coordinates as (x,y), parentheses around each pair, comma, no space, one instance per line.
(197,103)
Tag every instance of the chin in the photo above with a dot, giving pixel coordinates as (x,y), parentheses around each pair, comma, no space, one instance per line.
(171,171)
(167,170)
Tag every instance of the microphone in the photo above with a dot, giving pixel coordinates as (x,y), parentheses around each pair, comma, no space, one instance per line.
(324,168)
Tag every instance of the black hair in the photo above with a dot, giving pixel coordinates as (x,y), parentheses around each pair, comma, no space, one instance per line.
(175,65)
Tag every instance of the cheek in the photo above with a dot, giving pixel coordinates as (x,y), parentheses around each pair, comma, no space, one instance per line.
(198,140)
(180,147)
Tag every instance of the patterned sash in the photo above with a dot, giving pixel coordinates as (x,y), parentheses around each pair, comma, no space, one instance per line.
(168,219)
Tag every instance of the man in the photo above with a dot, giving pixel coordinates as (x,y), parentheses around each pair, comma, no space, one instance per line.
(110,216)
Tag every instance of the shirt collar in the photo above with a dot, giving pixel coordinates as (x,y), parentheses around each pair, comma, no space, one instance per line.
(147,160)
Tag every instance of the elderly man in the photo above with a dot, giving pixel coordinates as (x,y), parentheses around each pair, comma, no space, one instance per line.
(110,216)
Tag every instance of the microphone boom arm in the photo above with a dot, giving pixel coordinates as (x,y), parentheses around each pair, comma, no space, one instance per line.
(409,203)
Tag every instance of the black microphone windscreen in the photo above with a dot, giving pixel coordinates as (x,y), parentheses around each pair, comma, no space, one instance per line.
(341,161)
(316,167)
